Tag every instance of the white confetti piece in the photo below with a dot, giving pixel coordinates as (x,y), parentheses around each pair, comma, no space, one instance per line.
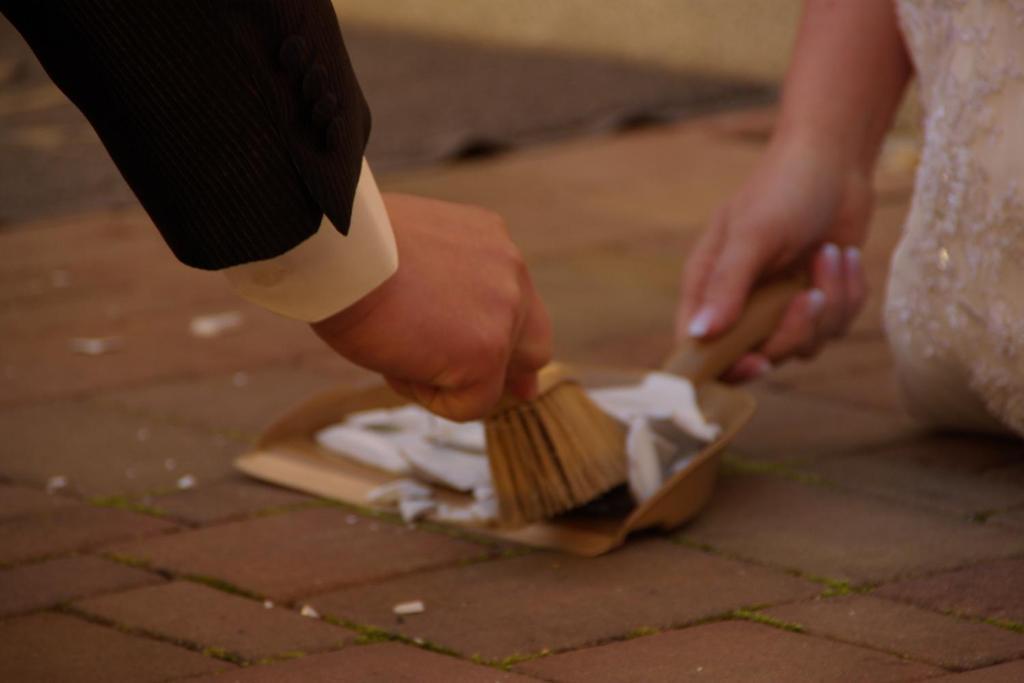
(214,324)
(56,483)
(268,604)
(309,611)
(186,481)
(95,346)
(406,608)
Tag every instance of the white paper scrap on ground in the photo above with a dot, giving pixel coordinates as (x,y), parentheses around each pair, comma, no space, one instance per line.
(665,429)
(214,324)
(95,346)
(407,608)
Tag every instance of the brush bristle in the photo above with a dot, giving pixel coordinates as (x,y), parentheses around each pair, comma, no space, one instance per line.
(553,454)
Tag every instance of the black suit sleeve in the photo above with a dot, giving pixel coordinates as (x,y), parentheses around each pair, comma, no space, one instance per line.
(237,123)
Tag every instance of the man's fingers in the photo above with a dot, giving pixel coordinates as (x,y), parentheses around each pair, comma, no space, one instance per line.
(532,349)
(524,385)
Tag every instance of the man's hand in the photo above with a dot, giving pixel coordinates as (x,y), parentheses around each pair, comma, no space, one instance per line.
(459,324)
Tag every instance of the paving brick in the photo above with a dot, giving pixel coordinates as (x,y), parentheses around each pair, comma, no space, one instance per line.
(942,472)
(586,192)
(723,652)
(904,630)
(545,601)
(299,553)
(44,584)
(237,496)
(74,527)
(989,589)
(825,532)
(123,282)
(243,402)
(104,452)
(871,389)
(16,501)
(389,662)
(1011,518)
(188,612)
(52,647)
(791,427)
(1011,672)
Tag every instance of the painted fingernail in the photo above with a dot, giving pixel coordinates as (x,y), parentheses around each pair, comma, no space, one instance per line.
(853,258)
(832,254)
(815,302)
(701,322)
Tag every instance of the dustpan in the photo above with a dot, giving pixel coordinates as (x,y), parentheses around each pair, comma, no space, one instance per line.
(287,454)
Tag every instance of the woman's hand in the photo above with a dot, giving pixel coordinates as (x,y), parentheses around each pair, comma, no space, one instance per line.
(802,209)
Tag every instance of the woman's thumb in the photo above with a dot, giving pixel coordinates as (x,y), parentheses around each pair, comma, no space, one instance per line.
(725,291)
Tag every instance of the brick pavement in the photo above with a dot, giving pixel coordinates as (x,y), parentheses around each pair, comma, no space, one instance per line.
(843,542)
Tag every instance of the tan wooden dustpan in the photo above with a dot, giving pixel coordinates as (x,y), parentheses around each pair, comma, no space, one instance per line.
(287,454)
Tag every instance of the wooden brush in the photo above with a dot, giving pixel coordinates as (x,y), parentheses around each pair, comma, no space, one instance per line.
(553,453)
(561,450)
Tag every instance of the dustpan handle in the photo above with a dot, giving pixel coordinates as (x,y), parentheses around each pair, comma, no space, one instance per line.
(700,360)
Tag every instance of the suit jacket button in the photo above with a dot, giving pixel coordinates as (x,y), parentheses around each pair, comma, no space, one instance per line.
(294,53)
(314,82)
(325,109)
(335,133)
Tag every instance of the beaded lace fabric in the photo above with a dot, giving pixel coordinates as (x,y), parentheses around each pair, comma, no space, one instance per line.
(955,307)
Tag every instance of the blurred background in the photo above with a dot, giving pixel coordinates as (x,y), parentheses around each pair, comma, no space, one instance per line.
(449,79)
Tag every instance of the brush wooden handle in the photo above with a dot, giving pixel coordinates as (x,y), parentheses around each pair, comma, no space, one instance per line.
(703,360)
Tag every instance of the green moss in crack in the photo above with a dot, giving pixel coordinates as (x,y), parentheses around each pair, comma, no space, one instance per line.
(282,657)
(641,631)
(735,466)
(129,561)
(368,635)
(126,503)
(222,585)
(759,618)
(1008,624)
(225,655)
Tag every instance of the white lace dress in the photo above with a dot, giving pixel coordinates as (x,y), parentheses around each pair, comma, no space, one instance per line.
(955,308)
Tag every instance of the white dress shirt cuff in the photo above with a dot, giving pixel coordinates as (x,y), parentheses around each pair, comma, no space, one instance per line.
(329,271)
